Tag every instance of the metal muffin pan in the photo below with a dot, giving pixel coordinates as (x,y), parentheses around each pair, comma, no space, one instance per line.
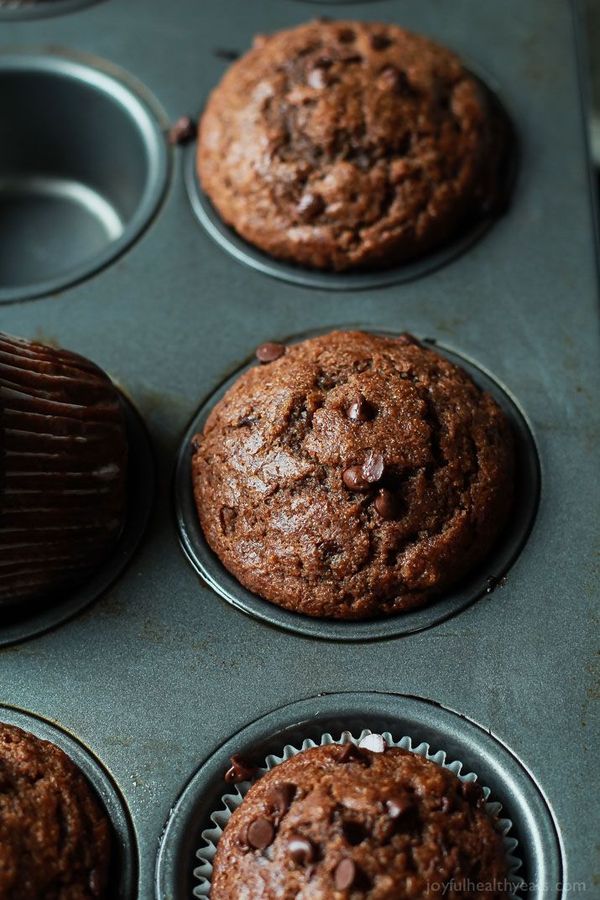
(82,169)
(33,9)
(484,579)
(442,729)
(159,673)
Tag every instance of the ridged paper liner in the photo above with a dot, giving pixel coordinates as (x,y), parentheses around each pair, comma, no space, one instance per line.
(233,799)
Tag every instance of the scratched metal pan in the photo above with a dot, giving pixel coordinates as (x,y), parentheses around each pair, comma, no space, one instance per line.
(104,251)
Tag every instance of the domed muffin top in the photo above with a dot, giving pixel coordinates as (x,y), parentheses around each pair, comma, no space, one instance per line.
(345,144)
(337,822)
(54,836)
(354,475)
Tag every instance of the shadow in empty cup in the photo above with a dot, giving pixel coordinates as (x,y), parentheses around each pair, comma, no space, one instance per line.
(83,166)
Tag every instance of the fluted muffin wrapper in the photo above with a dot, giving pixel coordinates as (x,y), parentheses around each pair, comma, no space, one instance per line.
(63,459)
(234,797)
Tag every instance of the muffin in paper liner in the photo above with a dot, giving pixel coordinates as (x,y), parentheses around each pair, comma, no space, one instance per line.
(234,798)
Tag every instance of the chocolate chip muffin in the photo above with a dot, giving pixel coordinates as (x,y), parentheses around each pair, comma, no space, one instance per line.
(63,466)
(54,835)
(338,822)
(353,475)
(345,145)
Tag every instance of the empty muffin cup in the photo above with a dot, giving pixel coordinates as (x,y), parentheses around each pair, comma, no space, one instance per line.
(83,165)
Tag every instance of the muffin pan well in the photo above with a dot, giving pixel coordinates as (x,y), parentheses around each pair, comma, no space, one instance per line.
(82,169)
(33,9)
(158,673)
(495,767)
(483,581)
(124,871)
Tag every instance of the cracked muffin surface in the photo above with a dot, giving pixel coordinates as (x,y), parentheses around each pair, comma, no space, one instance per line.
(353,475)
(54,836)
(341,822)
(340,145)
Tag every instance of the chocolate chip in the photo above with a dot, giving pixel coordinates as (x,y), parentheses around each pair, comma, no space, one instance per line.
(373,467)
(345,874)
(472,793)
(301,850)
(352,753)
(183,131)
(408,339)
(224,53)
(260,834)
(393,80)
(269,352)
(355,833)
(373,742)
(361,410)
(280,798)
(310,206)
(354,479)
(346,36)
(240,770)
(196,442)
(386,505)
(380,42)
(351,59)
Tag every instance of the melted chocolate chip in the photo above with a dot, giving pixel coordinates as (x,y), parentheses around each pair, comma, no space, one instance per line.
(239,771)
(386,505)
(355,833)
(361,410)
(397,806)
(408,339)
(373,467)
(196,443)
(260,833)
(269,352)
(280,798)
(354,479)
(227,517)
(301,850)
(310,206)
(472,793)
(346,36)
(183,131)
(224,53)
(345,874)
(380,42)
(351,753)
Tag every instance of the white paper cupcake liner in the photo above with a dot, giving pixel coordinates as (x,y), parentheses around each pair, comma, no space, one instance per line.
(234,798)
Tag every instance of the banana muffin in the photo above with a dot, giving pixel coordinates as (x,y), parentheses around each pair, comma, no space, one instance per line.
(55,838)
(353,475)
(63,468)
(344,145)
(340,821)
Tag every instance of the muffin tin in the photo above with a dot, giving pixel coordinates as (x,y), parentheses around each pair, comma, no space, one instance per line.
(159,678)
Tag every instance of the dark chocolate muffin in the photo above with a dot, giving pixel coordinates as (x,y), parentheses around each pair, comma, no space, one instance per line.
(353,476)
(341,145)
(63,462)
(339,822)
(54,835)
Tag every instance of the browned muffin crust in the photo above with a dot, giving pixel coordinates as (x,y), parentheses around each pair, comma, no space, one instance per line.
(63,467)
(341,145)
(353,476)
(54,836)
(332,825)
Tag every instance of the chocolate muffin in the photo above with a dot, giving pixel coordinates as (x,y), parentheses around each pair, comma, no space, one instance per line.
(54,835)
(345,145)
(338,822)
(353,475)
(63,464)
